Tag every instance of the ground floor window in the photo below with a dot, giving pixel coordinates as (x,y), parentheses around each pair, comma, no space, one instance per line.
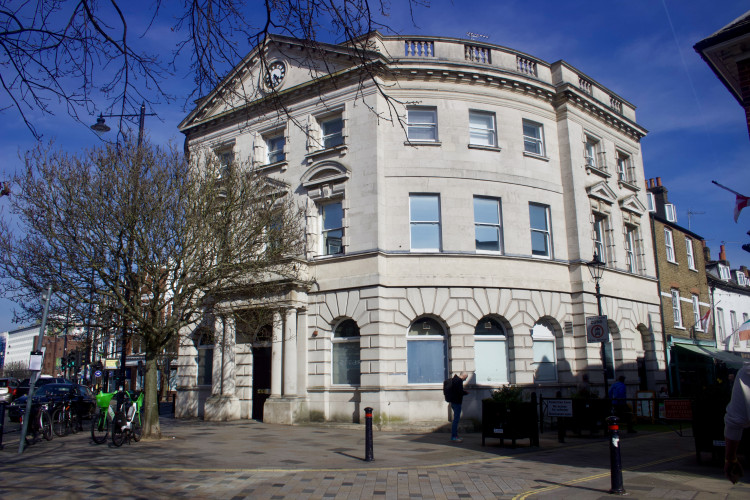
(425,352)
(346,364)
(491,352)
(205,359)
(545,359)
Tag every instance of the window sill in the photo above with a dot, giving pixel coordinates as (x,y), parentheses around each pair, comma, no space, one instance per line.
(673,262)
(341,149)
(423,143)
(485,148)
(536,156)
(489,252)
(628,185)
(282,165)
(595,170)
(680,328)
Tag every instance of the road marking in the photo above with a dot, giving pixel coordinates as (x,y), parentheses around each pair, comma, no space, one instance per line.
(529,493)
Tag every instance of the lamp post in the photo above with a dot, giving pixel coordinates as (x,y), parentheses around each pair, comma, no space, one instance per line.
(100,127)
(596,268)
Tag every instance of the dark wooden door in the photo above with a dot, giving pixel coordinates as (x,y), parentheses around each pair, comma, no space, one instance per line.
(261,380)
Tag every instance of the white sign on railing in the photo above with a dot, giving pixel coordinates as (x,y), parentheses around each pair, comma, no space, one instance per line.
(559,407)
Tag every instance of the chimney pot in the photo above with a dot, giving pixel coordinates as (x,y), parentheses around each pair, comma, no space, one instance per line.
(658,181)
(722,253)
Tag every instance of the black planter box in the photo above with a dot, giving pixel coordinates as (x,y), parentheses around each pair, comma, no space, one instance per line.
(513,421)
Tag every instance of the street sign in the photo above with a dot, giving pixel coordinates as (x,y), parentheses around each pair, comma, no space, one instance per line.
(559,407)
(97,373)
(597,329)
(111,363)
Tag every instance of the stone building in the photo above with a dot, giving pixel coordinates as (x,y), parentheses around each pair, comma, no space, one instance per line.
(454,238)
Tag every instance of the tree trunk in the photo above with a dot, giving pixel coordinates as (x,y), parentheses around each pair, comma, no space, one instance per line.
(151,428)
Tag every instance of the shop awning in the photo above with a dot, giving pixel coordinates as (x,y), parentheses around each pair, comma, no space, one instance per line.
(731,359)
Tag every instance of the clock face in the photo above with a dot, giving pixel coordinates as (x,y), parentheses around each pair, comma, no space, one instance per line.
(275,74)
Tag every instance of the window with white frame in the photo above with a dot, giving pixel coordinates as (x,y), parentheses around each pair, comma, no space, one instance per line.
(624,168)
(671,212)
(690,254)
(741,278)
(676,308)
(425,352)
(733,322)
(722,332)
(591,150)
(332,228)
(226,159)
(697,314)
(345,356)
(669,245)
(275,148)
(421,124)
(488,229)
(631,237)
(600,228)
(545,353)
(651,202)
(332,131)
(491,352)
(541,235)
(424,219)
(482,130)
(533,137)
(724,272)
(205,359)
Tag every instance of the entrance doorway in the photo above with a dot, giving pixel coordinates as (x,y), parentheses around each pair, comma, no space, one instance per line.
(261,380)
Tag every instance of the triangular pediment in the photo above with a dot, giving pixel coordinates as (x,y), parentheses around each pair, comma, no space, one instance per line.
(601,191)
(633,204)
(277,67)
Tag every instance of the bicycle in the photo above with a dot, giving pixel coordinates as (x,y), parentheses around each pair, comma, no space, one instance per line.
(65,418)
(41,422)
(126,423)
(101,422)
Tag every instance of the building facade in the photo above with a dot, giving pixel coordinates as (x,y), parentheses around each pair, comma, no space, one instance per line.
(453,238)
(730,290)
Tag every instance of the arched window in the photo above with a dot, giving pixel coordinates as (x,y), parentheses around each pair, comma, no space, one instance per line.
(545,358)
(346,365)
(491,352)
(425,352)
(205,358)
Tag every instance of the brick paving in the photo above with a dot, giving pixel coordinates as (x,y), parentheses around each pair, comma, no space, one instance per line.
(247,459)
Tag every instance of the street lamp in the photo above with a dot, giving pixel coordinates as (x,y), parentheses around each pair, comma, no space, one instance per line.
(596,268)
(100,127)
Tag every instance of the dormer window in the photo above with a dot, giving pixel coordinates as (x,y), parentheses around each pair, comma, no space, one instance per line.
(723,272)
(741,278)
(651,202)
(670,212)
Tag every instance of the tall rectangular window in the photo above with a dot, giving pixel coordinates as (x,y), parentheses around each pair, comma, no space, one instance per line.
(697,314)
(275,148)
(722,333)
(482,128)
(332,132)
(690,255)
(676,309)
(630,255)
(332,233)
(422,124)
(533,138)
(723,272)
(600,223)
(669,244)
(424,218)
(541,235)
(733,321)
(487,224)
(591,153)
(671,212)
(623,167)
(651,201)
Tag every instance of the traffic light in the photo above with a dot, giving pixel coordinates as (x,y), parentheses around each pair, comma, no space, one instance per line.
(78,360)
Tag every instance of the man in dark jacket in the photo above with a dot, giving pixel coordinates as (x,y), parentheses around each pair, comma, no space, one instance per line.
(456,398)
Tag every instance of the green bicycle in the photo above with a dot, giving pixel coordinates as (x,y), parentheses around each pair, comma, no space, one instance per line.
(126,423)
(102,420)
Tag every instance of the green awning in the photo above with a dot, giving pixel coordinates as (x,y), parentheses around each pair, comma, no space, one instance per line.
(731,359)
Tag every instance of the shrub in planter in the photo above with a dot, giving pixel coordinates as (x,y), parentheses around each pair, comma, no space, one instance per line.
(506,416)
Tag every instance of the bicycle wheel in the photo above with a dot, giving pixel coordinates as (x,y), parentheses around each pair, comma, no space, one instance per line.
(74,420)
(136,428)
(118,435)
(100,427)
(46,425)
(59,422)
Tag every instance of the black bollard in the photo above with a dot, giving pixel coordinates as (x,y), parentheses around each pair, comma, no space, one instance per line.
(2,423)
(615,464)
(368,435)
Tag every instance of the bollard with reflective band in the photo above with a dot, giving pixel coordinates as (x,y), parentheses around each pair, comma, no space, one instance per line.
(368,435)
(615,464)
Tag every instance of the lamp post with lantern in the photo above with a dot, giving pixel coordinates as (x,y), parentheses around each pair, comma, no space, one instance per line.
(596,268)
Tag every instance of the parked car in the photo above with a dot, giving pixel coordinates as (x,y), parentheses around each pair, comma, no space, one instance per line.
(83,399)
(8,388)
(23,387)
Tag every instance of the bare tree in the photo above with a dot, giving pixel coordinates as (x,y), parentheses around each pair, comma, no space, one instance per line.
(147,238)
(86,54)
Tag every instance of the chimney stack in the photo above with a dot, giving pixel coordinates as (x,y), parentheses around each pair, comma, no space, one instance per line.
(722,253)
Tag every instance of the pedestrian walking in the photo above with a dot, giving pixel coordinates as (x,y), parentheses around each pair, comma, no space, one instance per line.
(454,394)
(736,420)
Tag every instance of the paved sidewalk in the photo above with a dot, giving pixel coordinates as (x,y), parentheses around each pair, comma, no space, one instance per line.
(249,459)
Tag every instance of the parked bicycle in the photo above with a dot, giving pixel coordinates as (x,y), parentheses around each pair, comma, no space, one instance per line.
(126,423)
(101,422)
(40,423)
(65,418)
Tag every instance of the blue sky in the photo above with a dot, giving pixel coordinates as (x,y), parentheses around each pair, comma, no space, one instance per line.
(640,49)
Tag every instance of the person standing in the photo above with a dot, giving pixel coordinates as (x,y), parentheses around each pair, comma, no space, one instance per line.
(455,397)
(618,395)
(736,420)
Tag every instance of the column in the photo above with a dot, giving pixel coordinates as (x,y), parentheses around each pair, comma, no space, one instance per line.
(217,361)
(229,381)
(290,352)
(276,348)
